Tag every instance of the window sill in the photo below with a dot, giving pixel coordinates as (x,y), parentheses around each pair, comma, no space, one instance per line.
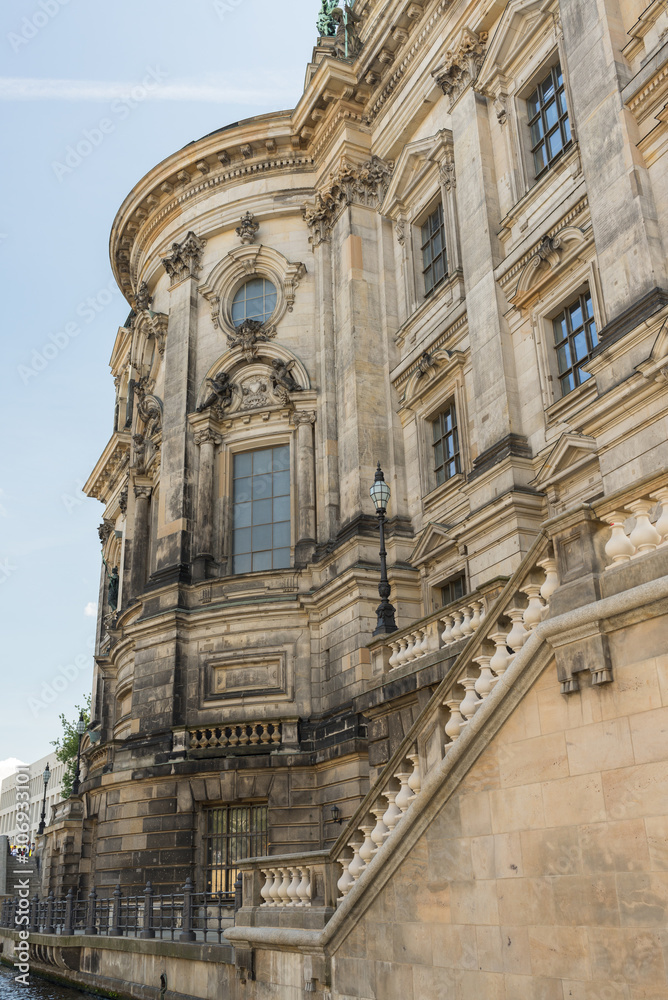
(442,492)
(521,219)
(431,310)
(567,406)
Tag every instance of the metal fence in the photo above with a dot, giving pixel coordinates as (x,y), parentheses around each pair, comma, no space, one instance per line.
(187,916)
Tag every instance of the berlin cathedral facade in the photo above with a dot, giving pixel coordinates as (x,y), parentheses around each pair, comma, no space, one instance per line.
(450,258)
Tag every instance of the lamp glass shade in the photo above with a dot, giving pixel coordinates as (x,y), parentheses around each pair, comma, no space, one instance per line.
(81,726)
(380,494)
(46,775)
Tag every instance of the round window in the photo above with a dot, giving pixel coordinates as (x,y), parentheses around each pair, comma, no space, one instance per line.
(254,300)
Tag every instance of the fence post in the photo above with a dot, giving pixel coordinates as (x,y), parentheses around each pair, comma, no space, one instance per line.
(238,892)
(148,931)
(34,914)
(187,932)
(116,930)
(68,929)
(49,929)
(90,916)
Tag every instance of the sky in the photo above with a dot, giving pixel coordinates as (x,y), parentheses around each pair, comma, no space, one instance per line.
(163,73)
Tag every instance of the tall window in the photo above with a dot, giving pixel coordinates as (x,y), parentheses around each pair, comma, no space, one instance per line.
(575,338)
(233,833)
(434,256)
(548,120)
(261,515)
(446,445)
(453,590)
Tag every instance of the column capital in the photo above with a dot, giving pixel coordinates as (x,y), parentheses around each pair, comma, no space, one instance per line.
(303,417)
(184,259)
(143,492)
(207,436)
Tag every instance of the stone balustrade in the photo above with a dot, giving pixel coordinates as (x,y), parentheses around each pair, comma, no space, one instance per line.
(640,526)
(241,735)
(287,886)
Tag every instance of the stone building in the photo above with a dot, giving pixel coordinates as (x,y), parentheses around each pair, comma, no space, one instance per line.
(450,257)
(54,794)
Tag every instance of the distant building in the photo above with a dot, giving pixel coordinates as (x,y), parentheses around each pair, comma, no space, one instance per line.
(53,796)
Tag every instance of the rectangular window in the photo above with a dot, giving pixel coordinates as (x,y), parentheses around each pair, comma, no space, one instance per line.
(446,445)
(233,833)
(434,256)
(261,510)
(453,590)
(575,339)
(548,120)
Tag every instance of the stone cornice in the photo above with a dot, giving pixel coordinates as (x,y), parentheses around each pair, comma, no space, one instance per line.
(111,463)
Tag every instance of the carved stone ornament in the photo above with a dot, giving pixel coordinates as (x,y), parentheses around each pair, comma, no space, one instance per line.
(207,436)
(123,500)
(400,231)
(303,417)
(249,335)
(326,24)
(501,109)
(221,395)
(347,42)
(248,229)
(185,259)
(425,365)
(461,65)
(142,298)
(364,184)
(143,492)
(448,177)
(105,530)
(255,393)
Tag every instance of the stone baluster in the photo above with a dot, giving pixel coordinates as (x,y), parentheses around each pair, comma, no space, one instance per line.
(661,524)
(619,547)
(403,647)
(265,891)
(533,613)
(405,795)
(453,726)
(379,831)
(367,850)
(457,633)
(486,681)
(304,888)
(410,648)
(395,647)
(644,537)
(283,894)
(415,780)
(293,888)
(501,659)
(392,814)
(356,866)
(466,626)
(549,567)
(345,882)
(423,645)
(518,635)
(470,703)
(477,609)
(275,887)
(446,638)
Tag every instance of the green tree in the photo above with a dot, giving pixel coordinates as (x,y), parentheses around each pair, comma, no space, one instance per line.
(67,745)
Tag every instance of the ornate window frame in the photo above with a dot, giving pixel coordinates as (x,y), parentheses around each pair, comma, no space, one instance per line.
(229,274)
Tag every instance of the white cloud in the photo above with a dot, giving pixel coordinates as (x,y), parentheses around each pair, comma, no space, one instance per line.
(90,610)
(8,766)
(14,88)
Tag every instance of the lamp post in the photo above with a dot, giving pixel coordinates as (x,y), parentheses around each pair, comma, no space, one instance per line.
(380,494)
(45,779)
(81,729)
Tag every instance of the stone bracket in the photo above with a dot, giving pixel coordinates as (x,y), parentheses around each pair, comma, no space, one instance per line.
(584,648)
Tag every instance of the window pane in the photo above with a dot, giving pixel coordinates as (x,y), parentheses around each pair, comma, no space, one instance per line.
(262,513)
(532,104)
(437,244)
(281,558)
(261,560)
(438,453)
(281,534)
(281,458)
(576,316)
(583,375)
(426,256)
(580,346)
(561,97)
(261,537)
(547,89)
(589,307)
(439,269)
(242,540)
(425,233)
(551,116)
(243,464)
(567,384)
(262,461)
(262,487)
(593,335)
(560,330)
(282,509)
(559,75)
(242,489)
(539,159)
(281,483)
(536,131)
(555,143)
(254,287)
(567,130)
(242,515)
(242,564)
(440,476)
(564,358)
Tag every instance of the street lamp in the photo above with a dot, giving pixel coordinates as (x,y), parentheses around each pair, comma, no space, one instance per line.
(81,729)
(45,779)
(380,494)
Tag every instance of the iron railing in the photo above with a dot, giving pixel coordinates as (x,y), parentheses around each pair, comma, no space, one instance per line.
(186,916)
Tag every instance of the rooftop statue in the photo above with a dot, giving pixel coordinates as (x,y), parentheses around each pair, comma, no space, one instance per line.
(347,43)
(326,23)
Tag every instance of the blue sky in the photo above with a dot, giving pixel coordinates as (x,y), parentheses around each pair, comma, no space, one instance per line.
(161,73)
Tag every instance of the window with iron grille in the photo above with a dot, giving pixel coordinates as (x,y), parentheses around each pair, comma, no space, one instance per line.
(548,120)
(434,256)
(453,590)
(446,445)
(233,833)
(575,338)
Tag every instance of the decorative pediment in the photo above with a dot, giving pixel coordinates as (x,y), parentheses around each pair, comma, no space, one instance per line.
(240,264)
(571,453)
(415,168)
(521,23)
(429,369)
(434,540)
(655,367)
(543,261)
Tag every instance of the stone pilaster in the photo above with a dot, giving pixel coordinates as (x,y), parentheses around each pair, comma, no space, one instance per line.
(304,421)
(206,440)
(140,539)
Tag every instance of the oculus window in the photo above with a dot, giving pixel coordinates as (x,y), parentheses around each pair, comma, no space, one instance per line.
(548,120)
(434,257)
(256,299)
(446,445)
(575,339)
(261,510)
